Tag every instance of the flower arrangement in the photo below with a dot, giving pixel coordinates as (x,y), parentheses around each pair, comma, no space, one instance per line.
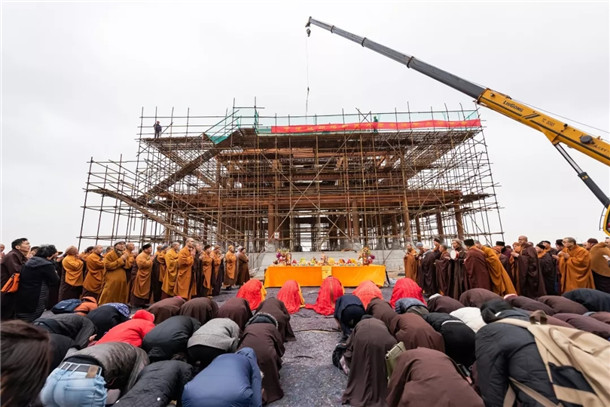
(365,257)
(283,257)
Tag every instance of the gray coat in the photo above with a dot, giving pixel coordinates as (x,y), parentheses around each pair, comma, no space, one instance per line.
(219,333)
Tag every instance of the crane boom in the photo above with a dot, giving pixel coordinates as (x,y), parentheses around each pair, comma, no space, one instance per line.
(555,130)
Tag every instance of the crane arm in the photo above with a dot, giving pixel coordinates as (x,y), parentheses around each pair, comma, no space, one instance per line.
(555,130)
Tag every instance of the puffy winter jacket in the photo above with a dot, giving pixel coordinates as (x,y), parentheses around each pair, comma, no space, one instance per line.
(505,351)
(105,318)
(593,300)
(74,326)
(232,379)
(158,384)
(132,331)
(121,363)
(170,337)
(219,333)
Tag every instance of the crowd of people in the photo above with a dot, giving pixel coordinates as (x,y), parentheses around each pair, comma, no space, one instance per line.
(456,330)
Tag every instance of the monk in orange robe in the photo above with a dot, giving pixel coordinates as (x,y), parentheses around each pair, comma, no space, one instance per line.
(115,283)
(141,283)
(230,267)
(92,286)
(501,283)
(185,270)
(171,265)
(574,266)
(410,262)
(72,286)
(206,269)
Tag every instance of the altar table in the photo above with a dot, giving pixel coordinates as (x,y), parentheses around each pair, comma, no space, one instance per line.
(311,276)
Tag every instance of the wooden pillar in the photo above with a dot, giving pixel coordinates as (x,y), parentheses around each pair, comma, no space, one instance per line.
(355,223)
(406,220)
(270,222)
(459,222)
(341,233)
(418,228)
(439,224)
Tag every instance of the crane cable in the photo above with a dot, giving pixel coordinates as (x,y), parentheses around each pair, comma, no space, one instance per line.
(307,75)
(563,117)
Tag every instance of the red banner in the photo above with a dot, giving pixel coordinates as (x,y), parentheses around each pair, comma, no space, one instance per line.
(385,126)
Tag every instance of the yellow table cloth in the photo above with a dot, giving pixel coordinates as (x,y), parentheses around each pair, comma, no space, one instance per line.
(311,276)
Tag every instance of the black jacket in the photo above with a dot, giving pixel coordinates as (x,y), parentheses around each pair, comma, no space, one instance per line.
(158,384)
(74,326)
(170,337)
(104,318)
(504,351)
(459,338)
(34,272)
(593,300)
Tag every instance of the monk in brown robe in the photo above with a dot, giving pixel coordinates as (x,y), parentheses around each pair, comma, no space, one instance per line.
(548,268)
(243,270)
(230,267)
(427,377)
(130,268)
(381,310)
(171,266)
(185,270)
(262,335)
(457,281)
(443,270)
(365,358)
(141,283)
(206,269)
(115,283)
(501,283)
(217,270)
(92,286)
(574,266)
(477,275)
(600,253)
(72,285)
(236,309)
(527,270)
(414,332)
(410,262)
(155,277)
(427,278)
(160,258)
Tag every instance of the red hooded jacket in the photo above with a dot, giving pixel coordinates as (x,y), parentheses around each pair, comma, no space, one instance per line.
(132,331)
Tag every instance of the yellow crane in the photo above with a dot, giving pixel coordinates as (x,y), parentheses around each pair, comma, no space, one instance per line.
(555,130)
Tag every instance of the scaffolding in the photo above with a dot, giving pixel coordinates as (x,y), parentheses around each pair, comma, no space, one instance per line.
(306,183)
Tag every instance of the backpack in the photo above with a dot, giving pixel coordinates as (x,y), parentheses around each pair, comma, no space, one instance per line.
(66,306)
(576,362)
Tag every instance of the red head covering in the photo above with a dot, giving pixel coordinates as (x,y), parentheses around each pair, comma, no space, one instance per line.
(406,288)
(330,290)
(253,292)
(292,297)
(366,291)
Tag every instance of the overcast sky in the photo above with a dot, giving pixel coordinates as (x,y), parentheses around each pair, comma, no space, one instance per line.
(76,75)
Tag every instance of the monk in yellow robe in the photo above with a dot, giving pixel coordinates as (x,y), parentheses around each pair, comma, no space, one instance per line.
(92,286)
(185,270)
(574,266)
(160,256)
(206,268)
(410,262)
(115,283)
(171,265)
(72,284)
(501,283)
(230,267)
(141,283)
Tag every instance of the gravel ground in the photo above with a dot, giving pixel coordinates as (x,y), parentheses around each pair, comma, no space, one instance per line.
(308,376)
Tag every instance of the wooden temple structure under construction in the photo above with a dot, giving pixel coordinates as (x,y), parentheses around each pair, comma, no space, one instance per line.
(306,183)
